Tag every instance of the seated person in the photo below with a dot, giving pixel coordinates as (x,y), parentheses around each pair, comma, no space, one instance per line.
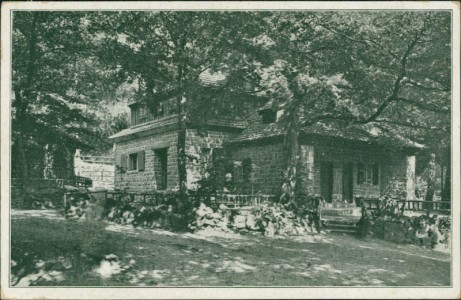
(229,186)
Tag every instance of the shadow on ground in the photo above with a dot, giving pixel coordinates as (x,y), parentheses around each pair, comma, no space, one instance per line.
(50,251)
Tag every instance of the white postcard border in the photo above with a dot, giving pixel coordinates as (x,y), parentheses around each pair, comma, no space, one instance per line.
(223,292)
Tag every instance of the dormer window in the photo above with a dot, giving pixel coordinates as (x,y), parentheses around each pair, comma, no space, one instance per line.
(139,113)
(142,114)
(268,116)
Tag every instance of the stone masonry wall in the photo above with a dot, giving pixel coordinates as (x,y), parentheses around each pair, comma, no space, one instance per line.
(100,169)
(268,159)
(195,143)
(144,181)
(394,177)
(392,171)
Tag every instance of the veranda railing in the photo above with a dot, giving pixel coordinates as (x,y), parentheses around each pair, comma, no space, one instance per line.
(157,198)
(443,207)
(77,181)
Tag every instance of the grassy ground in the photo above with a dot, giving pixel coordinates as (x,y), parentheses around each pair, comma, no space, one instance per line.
(47,250)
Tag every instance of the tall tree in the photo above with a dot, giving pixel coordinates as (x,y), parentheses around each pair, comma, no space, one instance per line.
(358,67)
(55,78)
(169,54)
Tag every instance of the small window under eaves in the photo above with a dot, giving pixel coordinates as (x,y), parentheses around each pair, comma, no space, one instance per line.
(268,116)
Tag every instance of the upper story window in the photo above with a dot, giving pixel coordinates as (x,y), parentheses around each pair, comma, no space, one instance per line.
(268,116)
(140,113)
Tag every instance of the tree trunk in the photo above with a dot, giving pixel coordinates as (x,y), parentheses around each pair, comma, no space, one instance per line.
(23,159)
(430,181)
(182,173)
(182,116)
(181,143)
(290,177)
(48,162)
(69,169)
(22,99)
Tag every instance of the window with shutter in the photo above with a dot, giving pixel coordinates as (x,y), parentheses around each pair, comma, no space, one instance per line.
(141,159)
(133,117)
(123,163)
(133,162)
(142,115)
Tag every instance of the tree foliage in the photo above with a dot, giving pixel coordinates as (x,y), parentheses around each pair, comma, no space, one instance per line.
(57,83)
(168,55)
(392,69)
(389,68)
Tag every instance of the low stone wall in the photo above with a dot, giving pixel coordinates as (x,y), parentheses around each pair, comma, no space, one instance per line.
(423,231)
(100,169)
(394,231)
(36,197)
(268,220)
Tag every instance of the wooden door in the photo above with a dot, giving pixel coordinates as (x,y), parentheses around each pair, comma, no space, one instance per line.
(326,181)
(348,182)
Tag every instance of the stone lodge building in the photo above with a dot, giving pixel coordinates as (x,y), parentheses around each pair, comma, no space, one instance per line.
(338,162)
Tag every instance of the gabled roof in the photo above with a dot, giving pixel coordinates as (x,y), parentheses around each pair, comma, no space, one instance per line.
(228,122)
(368,133)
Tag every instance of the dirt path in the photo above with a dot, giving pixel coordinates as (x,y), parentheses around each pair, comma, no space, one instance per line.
(157,257)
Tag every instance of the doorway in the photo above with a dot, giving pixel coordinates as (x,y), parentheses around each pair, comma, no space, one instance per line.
(348,182)
(161,168)
(326,181)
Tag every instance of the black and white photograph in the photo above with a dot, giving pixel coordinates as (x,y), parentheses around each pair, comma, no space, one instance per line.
(230,150)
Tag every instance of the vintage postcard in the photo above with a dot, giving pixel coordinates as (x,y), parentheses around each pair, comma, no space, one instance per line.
(230,150)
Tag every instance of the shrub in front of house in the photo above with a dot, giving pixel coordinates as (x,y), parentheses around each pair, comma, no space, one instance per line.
(157,210)
(390,223)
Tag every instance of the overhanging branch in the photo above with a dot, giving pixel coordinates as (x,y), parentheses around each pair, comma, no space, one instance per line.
(424,106)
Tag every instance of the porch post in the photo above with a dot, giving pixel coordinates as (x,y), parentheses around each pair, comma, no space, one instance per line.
(411,179)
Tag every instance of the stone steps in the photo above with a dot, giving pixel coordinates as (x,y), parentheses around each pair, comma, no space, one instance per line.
(343,220)
(342,212)
(352,229)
